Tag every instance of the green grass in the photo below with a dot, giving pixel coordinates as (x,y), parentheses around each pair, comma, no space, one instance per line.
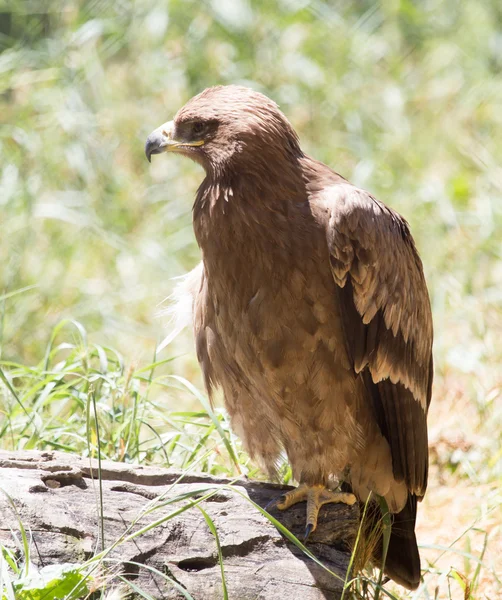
(403,98)
(79,388)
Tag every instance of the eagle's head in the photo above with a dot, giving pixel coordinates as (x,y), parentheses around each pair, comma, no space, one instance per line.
(227,128)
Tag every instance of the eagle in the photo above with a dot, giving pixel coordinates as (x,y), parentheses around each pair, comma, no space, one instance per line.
(310,311)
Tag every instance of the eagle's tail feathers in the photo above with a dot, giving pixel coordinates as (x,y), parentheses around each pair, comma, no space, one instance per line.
(402,563)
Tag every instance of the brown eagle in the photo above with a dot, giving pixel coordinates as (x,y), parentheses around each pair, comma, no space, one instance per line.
(310,311)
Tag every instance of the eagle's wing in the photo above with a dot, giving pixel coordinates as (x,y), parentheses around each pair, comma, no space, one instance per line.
(387,320)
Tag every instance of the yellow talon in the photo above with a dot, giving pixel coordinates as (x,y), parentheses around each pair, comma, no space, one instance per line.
(316,496)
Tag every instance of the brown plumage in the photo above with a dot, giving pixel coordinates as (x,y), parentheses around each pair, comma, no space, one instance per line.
(310,310)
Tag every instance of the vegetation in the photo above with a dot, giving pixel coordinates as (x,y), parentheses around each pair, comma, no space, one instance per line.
(403,98)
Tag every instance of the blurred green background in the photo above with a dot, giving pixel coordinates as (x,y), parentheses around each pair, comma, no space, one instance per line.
(402,98)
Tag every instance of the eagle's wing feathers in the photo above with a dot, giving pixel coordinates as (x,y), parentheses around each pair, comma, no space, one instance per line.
(387,320)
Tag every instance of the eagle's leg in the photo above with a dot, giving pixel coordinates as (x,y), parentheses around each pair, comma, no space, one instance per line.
(316,496)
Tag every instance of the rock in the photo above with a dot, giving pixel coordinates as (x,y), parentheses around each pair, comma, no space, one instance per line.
(57,498)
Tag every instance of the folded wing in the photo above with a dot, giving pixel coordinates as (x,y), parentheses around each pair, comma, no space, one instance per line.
(387,321)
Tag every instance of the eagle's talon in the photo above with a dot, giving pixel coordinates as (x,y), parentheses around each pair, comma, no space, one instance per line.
(308,530)
(274,503)
(316,496)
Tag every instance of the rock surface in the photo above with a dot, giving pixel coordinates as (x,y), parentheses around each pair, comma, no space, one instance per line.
(57,498)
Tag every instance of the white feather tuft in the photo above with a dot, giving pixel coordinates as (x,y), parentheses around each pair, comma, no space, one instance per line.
(180,309)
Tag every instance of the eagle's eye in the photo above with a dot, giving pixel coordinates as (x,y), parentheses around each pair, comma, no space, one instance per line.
(198,127)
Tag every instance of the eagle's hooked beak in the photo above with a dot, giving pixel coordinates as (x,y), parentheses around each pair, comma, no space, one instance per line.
(162,140)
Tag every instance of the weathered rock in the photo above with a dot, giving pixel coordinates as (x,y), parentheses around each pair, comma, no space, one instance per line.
(57,498)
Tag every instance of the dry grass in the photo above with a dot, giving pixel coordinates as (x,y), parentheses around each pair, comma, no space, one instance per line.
(460,519)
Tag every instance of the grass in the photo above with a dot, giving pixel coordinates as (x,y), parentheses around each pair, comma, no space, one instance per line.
(403,98)
(79,389)
(82,398)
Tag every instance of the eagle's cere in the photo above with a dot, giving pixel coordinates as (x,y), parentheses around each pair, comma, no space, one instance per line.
(310,311)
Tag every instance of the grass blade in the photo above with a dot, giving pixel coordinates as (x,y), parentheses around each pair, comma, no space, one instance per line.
(213,530)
